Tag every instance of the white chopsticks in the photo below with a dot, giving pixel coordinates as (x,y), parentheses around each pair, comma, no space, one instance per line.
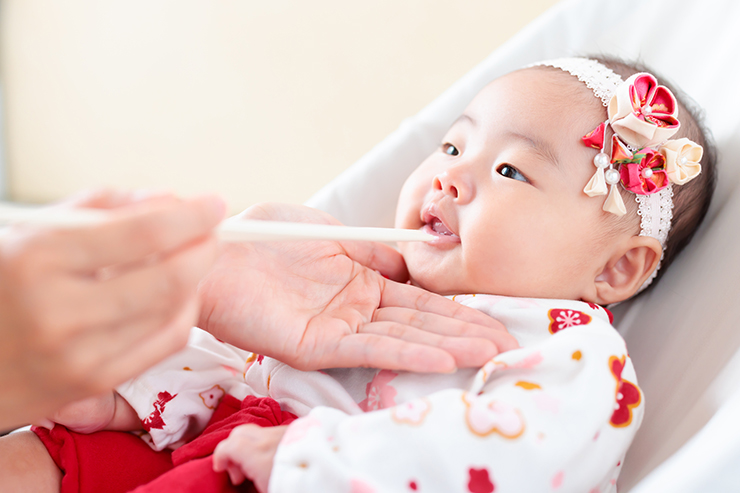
(246,230)
(233,229)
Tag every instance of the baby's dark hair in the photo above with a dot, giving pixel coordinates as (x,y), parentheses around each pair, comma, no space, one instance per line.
(690,201)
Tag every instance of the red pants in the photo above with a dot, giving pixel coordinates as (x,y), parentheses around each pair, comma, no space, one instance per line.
(115,462)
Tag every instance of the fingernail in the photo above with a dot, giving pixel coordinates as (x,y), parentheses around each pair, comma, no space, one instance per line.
(216,204)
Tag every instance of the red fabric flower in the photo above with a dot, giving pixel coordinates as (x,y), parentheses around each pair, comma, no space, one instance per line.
(595,138)
(646,173)
(652,102)
(643,112)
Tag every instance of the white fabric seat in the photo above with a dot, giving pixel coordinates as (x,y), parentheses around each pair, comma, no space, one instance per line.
(682,335)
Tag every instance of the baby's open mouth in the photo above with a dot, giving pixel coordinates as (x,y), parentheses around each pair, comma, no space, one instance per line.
(437,227)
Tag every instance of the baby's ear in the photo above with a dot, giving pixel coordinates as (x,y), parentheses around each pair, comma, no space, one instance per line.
(626,270)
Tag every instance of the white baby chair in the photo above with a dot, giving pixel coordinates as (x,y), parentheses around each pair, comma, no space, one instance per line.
(682,335)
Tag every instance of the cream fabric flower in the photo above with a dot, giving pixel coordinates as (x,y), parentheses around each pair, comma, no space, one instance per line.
(642,112)
(682,158)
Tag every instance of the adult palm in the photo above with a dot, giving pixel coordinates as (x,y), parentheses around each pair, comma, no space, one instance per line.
(325,304)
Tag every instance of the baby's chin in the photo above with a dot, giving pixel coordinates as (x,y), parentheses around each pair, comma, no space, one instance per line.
(446,285)
(430,275)
(434,284)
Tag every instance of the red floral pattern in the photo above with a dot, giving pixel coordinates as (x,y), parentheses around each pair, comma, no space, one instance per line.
(562,319)
(557,480)
(596,307)
(154,420)
(380,395)
(479,481)
(627,395)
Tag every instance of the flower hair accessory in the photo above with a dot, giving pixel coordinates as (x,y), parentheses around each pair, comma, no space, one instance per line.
(642,116)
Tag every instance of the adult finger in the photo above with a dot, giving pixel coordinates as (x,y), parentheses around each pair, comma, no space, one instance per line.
(153,290)
(101,359)
(378,256)
(446,326)
(120,311)
(113,198)
(405,295)
(138,231)
(150,350)
(276,211)
(96,359)
(380,351)
(468,352)
(336,346)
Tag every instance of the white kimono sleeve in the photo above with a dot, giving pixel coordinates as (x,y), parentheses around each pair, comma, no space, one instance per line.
(176,398)
(556,416)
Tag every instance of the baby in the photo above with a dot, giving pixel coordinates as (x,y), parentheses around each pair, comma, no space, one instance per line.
(563,187)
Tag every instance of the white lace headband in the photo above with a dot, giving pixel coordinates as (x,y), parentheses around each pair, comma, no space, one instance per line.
(642,116)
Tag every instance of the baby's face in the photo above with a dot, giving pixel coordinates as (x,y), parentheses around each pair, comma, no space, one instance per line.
(504,194)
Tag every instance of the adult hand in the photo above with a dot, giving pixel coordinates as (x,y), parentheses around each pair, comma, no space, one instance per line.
(322,304)
(83,309)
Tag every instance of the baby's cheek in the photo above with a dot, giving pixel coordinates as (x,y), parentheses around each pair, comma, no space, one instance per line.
(499,267)
(424,272)
(412,257)
(404,248)
(408,215)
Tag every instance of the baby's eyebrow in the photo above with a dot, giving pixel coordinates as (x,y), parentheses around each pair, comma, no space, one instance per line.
(541,147)
(463,118)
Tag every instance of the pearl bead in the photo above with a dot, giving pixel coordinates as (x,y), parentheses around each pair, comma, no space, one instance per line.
(612,177)
(601,160)
(646,110)
(683,160)
(647,173)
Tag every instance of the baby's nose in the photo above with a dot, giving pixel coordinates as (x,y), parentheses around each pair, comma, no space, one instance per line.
(454,183)
(444,184)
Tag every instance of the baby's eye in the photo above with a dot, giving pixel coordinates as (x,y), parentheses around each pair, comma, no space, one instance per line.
(450,149)
(509,171)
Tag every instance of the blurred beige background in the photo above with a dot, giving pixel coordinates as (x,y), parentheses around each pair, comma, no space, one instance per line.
(254,100)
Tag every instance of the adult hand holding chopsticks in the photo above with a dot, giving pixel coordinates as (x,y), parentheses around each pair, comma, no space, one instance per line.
(325,304)
(83,309)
